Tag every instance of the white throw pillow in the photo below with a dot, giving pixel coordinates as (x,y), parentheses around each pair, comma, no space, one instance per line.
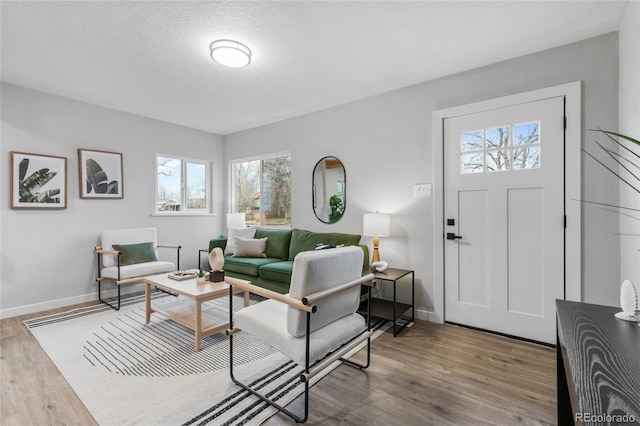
(250,247)
(237,232)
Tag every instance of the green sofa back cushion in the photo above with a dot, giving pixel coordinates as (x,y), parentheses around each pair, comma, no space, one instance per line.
(136,253)
(302,240)
(277,243)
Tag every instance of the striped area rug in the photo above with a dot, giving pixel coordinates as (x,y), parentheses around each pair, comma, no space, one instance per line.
(130,373)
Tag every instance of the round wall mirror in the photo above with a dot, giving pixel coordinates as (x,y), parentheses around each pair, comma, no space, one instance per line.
(329,189)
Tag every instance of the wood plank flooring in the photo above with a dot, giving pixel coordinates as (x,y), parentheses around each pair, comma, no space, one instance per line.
(430,374)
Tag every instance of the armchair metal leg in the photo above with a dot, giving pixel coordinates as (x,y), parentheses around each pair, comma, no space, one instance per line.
(117,308)
(298,419)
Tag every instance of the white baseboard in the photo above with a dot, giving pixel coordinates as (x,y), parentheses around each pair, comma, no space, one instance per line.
(61,303)
(425,315)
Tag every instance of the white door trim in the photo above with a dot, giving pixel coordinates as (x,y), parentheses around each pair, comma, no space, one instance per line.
(573,246)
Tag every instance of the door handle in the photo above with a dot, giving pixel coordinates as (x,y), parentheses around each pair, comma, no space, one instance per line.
(452,236)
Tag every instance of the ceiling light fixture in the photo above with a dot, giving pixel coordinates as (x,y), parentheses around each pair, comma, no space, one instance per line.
(230,53)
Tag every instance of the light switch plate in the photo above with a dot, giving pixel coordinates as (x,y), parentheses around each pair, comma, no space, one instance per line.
(422,190)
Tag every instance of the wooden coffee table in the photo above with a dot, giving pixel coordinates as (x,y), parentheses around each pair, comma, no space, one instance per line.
(189,313)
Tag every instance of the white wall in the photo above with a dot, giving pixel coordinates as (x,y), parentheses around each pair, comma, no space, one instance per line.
(386,147)
(630,125)
(47,256)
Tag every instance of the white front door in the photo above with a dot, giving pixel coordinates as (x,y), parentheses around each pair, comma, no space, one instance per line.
(504,218)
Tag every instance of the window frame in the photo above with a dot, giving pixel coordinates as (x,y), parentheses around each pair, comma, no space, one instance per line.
(231,180)
(207,210)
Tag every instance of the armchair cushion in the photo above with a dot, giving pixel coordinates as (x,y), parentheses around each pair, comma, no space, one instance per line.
(314,271)
(268,321)
(136,253)
(138,270)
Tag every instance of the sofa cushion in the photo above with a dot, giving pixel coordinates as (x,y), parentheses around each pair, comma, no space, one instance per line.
(250,247)
(136,253)
(302,240)
(279,271)
(246,265)
(237,232)
(278,243)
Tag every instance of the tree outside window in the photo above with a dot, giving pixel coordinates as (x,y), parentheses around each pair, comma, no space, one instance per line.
(181,185)
(261,189)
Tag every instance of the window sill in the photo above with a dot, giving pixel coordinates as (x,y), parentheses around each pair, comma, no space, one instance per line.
(181,214)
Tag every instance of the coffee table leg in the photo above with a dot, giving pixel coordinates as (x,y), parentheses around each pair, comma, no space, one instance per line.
(246,298)
(198,327)
(147,302)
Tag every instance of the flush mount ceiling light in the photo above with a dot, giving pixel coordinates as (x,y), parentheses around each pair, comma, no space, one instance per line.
(230,53)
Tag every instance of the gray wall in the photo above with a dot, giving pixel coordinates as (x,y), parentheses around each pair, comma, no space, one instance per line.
(630,125)
(47,256)
(385,143)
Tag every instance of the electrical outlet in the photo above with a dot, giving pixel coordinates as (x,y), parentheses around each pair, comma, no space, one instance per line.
(422,190)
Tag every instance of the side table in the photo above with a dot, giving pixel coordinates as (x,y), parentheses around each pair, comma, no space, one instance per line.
(393,310)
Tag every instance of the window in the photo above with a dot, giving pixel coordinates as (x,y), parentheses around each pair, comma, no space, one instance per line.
(261,189)
(514,147)
(182,185)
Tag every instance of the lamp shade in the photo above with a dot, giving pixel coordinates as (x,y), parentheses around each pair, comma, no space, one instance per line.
(376,224)
(236,220)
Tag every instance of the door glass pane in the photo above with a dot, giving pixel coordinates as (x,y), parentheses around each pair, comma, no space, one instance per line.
(526,158)
(527,133)
(498,137)
(169,184)
(472,163)
(498,160)
(471,141)
(246,187)
(276,191)
(196,186)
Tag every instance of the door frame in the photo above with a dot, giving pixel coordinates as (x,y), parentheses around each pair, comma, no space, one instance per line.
(572,193)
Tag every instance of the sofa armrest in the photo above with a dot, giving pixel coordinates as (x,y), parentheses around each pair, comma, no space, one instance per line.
(365,261)
(217,242)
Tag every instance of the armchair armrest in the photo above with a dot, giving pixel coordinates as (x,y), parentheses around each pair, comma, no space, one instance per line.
(100,250)
(247,286)
(170,246)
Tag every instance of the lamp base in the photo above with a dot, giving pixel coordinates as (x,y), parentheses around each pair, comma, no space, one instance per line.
(376,252)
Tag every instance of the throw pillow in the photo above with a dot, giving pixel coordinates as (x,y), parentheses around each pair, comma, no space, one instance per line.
(237,232)
(136,253)
(250,247)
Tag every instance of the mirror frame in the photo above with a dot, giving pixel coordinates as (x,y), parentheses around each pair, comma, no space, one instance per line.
(314,197)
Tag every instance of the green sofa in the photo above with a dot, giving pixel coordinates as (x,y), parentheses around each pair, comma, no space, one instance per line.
(274,271)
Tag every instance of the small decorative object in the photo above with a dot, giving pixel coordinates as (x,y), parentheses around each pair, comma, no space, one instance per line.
(100,174)
(628,302)
(380,266)
(200,278)
(216,276)
(38,181)
(216,261)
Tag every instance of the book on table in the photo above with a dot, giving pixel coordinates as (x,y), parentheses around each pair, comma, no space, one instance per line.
(182,275)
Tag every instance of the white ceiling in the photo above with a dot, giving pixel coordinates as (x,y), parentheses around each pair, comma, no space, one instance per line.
(151,57)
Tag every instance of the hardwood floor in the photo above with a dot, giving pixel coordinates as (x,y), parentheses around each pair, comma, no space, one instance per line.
(430,374)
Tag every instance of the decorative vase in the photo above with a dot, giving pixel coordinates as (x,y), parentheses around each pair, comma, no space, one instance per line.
(201,280)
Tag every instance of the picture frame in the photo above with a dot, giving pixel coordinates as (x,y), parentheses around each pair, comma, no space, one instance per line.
(38,181)
(101,174)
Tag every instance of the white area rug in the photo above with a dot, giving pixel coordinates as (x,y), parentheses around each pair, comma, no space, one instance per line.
(129,373)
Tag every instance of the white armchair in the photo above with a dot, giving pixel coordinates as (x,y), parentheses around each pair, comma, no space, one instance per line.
(128,255)
(316,323)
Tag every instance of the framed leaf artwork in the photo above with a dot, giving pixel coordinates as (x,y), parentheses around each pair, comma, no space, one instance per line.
(100,174)
(38,181)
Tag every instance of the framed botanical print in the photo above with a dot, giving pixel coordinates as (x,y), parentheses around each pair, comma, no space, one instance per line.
(100,174)
(38,181)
